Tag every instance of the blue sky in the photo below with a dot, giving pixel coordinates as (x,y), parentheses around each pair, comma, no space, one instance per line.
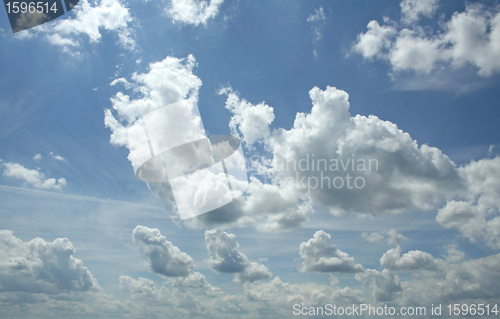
(411,84)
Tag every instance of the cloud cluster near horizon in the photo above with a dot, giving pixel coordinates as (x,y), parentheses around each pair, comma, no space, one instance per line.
(41,272)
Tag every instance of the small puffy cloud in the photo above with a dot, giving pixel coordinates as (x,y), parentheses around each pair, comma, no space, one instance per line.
(391,236)
(471,38)
(225,257)
(88,20)
(193,12)
(250,122)
(371,43)
(122,81)
(411,10)
(33,177)
(394,238)
(38,266)
(57,157)
(373,237)
(37,156)
(253,271)
(320,255)
(411,260)
(410,52)
(163,258)
(477,214)
(223,251)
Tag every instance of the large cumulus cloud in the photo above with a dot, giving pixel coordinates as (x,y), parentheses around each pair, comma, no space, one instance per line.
(349,164)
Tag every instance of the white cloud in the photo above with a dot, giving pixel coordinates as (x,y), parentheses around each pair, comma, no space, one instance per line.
(261,299)
(58,157)
(188,291)
(381,169)
(394,237)
(411,52)
(275,298)
(391,236)
(195,281)
(371,43)
(451,279)
(477,214)
(321,256)
(393,173)
(318,16)
(193,12)
(281,206)
(454,280)
(33,177)
(167,82)
(225,257)
(37,156)
(411,260)
(383,285)
(38,266)
(252,121)
(470,38)
(375,238)
(253,271)
(368,166)
(411,10)
(122,81)
(318,22)
(89,20)
(223,251)
(188,296)
(143,288)
(162,257)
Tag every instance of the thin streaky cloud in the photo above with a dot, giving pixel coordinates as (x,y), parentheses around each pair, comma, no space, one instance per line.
(45,194)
